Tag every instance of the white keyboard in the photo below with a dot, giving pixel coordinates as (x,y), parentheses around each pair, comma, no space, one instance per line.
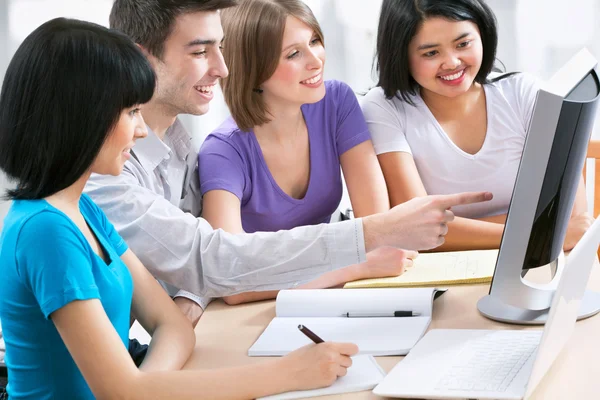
(491,362)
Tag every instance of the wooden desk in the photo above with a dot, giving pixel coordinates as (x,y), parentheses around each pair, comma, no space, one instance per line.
(225,333)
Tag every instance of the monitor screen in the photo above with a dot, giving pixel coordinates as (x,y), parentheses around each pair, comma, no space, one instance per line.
(544,193)
(563,173)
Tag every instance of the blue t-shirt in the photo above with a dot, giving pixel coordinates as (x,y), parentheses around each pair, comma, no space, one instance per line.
(232,160)
(46,263)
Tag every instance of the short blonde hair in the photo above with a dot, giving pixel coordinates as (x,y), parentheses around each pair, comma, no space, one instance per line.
(253,38)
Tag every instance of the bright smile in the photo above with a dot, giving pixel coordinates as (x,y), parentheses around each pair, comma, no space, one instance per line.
(205,91)
(455,78)
(313,82)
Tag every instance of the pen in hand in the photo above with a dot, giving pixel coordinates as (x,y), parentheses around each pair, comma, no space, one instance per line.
(310,334)
(381,314)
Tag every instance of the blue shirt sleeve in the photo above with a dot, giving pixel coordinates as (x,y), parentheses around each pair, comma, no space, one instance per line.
(117,242)
(352,128)
(53,259)
(221,167)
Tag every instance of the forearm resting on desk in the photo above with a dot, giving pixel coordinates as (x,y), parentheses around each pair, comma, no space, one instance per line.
(309,367)
(327,280)
(473,234)
(382,262)
(486,233)
(254,381)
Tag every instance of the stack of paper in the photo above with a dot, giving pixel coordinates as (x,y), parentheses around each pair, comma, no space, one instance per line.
(440,269)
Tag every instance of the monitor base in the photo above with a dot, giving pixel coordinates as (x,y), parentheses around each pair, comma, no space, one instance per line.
(496,310)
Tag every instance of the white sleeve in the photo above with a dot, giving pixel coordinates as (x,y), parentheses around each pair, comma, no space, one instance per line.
(201,301)
(386,123)
(525,90)
(186,252)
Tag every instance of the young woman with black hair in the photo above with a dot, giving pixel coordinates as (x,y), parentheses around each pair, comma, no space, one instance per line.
(70,106)
(439,124)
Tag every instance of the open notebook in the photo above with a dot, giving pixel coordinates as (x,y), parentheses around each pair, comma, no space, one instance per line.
(439,269)
(364,374)
(321,311)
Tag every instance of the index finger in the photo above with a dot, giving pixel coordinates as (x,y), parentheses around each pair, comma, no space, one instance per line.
(348,349)
(450,200)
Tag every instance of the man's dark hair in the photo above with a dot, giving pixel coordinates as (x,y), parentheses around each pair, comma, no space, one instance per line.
(63,93)
(398,24)
(150,22)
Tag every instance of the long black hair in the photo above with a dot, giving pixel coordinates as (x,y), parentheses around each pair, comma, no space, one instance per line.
(63,93)
(398,24)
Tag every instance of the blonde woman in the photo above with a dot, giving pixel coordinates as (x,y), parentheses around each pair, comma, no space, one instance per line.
(275,164)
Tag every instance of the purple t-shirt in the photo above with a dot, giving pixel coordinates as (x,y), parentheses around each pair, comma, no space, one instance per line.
(232,160)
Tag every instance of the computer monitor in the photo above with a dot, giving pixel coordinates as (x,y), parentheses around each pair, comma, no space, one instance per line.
(543,196)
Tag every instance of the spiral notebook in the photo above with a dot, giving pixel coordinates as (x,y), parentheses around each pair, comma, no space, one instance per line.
(439,269)
(364,374)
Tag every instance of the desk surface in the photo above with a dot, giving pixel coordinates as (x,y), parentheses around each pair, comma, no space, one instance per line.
(225,333)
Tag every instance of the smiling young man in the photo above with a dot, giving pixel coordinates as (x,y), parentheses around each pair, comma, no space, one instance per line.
(155,203)
(182,40)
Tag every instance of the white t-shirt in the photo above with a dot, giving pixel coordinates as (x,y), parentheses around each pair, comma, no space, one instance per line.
(443,167)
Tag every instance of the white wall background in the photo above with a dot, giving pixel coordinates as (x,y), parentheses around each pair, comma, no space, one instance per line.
(536,36)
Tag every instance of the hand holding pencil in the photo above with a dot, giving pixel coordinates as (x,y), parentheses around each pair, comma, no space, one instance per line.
(320,364)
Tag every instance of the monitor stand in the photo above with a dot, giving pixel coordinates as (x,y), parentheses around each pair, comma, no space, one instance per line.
(493,308)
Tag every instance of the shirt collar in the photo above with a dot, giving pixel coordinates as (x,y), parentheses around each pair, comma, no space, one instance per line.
(151,151)
(178,138)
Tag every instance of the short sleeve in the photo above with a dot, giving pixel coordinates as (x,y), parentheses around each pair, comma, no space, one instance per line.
(54,263)
(117,242)
(521,91)
(526,89)
(221,167)
(385,122)
(351,126)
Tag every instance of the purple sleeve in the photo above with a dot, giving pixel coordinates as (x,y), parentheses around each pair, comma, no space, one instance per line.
(352,128)
(221,167)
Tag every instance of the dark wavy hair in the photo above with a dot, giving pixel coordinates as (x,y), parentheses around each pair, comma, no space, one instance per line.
(398,24)
(63,93)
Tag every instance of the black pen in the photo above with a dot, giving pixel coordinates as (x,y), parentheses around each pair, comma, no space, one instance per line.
(381,314)
(310,334)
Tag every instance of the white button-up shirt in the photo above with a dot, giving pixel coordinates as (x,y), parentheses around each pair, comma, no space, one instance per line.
(155,205)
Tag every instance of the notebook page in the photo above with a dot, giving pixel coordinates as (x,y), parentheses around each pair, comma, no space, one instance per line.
(374,336)
(335,302)
(447,268)
(364,374)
